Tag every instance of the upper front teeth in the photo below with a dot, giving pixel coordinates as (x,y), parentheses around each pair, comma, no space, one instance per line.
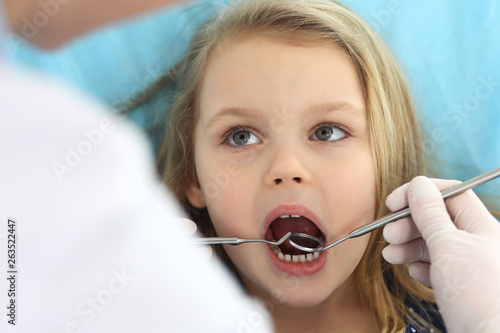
(287,216)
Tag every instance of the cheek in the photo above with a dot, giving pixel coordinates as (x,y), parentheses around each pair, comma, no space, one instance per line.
(352,250)
(353,198)
(230,199)
(347,256)
(232,212)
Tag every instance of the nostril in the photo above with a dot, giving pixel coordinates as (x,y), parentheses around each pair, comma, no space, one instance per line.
(278,181)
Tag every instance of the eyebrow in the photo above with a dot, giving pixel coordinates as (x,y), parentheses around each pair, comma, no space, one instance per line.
(315,110)
(320,109)
(234,112)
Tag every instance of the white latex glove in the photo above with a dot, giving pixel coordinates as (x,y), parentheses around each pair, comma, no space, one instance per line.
(188,224)
(191,227)
(453,247)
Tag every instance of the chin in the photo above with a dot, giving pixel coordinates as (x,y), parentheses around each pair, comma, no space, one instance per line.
(303,300)
(291,291)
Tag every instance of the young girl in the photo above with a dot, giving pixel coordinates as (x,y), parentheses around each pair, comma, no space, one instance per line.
(293,116)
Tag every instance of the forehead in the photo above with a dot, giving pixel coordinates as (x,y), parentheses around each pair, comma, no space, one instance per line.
(263,73)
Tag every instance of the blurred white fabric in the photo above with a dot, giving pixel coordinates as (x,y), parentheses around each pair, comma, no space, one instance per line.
(97,245)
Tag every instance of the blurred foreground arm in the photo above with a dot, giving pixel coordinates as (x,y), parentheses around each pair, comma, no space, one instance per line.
(51,23)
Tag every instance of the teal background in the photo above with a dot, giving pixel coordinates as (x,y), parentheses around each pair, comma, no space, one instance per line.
(449,50)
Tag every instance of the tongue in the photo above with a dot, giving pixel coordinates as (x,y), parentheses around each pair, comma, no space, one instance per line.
(281,226)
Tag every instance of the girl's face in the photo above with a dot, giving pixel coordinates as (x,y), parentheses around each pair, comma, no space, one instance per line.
(281,144)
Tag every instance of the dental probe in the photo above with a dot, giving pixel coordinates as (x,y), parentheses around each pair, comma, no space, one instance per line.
(448,193)
(238,241)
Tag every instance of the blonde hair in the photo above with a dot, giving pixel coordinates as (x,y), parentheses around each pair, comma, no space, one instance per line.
(394,134)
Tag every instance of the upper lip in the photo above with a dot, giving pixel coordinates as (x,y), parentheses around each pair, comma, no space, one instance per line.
(291,209)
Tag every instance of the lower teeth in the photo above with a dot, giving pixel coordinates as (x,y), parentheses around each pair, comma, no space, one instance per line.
(296,258)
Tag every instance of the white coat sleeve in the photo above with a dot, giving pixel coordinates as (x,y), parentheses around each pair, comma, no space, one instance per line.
(88,237)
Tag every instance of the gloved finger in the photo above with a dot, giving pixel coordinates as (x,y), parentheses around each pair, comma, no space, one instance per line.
(401,231)
(206,251)
(421,272)
(428,210)
(189,225)
(466,210)
(398,198)
(469,214)
(408,253)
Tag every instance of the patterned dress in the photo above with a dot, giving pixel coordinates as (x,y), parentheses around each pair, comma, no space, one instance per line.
(427,311)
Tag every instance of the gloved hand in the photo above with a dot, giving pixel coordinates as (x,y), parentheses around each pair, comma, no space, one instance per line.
(191,228)
(453,247)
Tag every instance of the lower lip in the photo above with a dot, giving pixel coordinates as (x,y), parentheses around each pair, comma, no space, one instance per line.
(298,268)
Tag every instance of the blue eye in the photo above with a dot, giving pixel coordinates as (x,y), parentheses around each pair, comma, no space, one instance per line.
(241,137)
(328,133)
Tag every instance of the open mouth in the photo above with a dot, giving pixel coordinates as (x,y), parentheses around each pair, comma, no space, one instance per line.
(294,224)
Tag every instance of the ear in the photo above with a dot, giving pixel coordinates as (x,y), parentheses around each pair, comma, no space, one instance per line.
(195,195)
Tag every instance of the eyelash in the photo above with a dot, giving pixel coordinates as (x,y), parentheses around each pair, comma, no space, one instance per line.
(336,126)
(225,138)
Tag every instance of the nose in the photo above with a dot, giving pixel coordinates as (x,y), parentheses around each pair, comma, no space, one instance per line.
(288,166)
